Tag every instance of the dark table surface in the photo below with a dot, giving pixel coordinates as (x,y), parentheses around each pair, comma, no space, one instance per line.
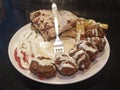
(107,79)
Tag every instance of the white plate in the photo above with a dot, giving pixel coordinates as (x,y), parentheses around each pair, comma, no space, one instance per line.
(79,76)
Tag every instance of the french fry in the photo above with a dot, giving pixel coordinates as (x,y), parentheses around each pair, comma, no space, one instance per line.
(80,26)
(104,26)
(69,33)
(89,22)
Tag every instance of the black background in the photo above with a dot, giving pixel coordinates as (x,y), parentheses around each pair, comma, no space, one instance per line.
(17,15)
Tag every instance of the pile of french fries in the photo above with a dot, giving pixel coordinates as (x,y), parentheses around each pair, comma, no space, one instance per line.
(81,25)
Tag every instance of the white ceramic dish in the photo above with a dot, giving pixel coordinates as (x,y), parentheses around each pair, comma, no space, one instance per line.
(79,76)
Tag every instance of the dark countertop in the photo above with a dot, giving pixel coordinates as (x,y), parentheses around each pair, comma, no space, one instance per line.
(107,79)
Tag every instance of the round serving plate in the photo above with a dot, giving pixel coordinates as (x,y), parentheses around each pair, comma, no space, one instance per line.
(96,66)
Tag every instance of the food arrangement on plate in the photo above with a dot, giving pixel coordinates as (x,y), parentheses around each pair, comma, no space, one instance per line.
(86,49)
(83,39)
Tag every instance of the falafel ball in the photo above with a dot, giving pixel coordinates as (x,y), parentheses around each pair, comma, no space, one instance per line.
(43,67)
(66,65)
(81,57)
